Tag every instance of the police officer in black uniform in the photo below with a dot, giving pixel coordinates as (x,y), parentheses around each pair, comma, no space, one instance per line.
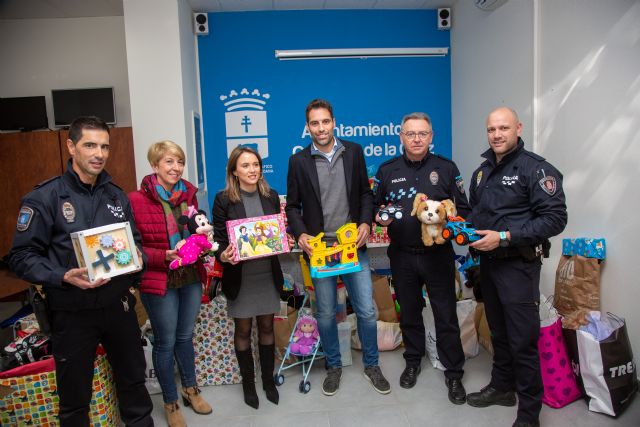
(414,264)
(518,204)
(83,313)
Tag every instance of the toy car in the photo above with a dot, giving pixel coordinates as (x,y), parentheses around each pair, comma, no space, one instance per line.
(390,212)
(461,231)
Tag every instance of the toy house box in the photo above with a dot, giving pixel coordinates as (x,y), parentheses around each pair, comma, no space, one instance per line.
(106,251)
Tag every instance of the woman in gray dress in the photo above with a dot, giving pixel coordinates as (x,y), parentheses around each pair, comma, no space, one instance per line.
(252,287)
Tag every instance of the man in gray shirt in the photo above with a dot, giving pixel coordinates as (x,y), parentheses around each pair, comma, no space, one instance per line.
(327,187)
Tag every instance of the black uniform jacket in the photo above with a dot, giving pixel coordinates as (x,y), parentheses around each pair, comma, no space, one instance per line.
(399,180)
(304,207)
(223,211)
(523,194)
(43,252)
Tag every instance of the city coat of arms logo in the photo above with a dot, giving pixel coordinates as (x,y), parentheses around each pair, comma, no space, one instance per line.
(246,120)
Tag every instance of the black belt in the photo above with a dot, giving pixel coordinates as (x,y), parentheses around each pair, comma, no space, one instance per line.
(415,250)
(528,253)
(503,253)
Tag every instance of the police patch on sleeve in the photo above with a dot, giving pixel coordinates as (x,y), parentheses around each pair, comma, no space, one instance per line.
(548,184)
(460,183)
(24,218)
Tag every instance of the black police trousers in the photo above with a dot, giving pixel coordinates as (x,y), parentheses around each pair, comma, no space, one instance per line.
(510,288)
(435,268)
(75,337)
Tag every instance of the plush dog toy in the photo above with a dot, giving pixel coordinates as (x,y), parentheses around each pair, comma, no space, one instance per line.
(433,215)
(199,241)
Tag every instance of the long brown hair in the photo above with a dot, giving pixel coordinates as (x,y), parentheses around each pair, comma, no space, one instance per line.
(232,188)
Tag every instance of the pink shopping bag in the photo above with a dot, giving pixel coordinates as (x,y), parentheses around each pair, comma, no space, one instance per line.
(560,387)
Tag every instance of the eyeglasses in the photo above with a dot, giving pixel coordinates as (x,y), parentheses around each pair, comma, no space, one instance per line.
(411,134)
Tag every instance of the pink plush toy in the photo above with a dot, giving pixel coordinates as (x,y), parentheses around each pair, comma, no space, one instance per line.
(199,241)
(305,336)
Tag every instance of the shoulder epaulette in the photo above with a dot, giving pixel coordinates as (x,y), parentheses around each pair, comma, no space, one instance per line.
(440,156)
(534,155)
(388,162)
(47,181)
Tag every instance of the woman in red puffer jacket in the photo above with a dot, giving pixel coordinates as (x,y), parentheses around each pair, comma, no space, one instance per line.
(171,298)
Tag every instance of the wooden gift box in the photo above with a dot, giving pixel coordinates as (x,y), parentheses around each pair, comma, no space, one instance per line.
(106,251)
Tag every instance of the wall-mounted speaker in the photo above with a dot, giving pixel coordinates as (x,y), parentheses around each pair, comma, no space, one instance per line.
(444,18)
(200,24)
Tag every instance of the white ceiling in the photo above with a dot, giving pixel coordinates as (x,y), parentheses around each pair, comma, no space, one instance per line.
(44,9)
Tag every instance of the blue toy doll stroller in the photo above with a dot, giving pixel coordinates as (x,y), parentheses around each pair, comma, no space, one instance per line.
(304,344)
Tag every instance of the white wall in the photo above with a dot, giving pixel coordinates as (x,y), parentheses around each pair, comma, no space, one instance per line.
(590,129)
(39,55)
(162,77)
(580,62)
(491,65)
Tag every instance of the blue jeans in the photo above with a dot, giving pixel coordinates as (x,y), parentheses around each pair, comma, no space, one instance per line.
(173,317)
(360,292)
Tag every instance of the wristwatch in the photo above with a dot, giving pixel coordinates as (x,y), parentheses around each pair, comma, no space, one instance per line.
(503,239)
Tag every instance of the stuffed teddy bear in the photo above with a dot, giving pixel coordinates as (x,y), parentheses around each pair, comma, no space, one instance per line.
(305,336)
(200,241)
(433,215)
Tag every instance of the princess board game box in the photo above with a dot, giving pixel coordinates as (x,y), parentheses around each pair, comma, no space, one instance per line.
(106,251)
(258,237)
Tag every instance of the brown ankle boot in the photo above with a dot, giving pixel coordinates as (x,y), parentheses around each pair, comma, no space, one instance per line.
(191,397)
(173,414)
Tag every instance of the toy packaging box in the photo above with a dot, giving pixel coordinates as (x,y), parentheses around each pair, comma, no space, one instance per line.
(106,251)
(258,237)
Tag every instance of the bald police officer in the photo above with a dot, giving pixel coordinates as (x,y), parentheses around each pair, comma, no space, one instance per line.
(517,205)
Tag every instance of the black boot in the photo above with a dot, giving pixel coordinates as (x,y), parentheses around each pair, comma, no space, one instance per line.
(245,360)
(267,355)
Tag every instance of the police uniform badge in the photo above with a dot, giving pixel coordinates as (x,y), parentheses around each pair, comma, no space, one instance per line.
(478,179)
(460,183)
(68,212)
(433,177)
(24,218)
(547,182)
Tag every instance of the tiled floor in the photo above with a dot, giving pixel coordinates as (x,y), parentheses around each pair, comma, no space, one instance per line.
(357,404)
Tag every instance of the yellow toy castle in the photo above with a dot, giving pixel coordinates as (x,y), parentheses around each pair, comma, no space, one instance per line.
(341,258)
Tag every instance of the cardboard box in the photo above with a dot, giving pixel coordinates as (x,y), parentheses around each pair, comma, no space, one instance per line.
(106,251)
(384,301)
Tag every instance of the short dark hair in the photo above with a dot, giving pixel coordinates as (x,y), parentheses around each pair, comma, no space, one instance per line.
(85,122)
(319,103)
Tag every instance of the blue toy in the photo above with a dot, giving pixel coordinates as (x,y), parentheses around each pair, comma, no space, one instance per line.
(461,231)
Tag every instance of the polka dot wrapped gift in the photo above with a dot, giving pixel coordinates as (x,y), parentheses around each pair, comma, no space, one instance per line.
(31,399)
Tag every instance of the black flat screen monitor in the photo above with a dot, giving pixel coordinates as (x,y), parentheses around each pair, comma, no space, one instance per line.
(71,103)
(25,113)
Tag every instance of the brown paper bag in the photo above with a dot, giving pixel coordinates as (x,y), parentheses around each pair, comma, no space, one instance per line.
(482,326)
(282,328)
(383,299)
(577,284)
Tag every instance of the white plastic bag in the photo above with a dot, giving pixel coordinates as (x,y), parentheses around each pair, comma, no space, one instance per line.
(151,381)
(465,310)
(389,336)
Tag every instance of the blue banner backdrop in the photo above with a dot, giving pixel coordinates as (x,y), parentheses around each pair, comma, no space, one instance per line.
(251,97)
